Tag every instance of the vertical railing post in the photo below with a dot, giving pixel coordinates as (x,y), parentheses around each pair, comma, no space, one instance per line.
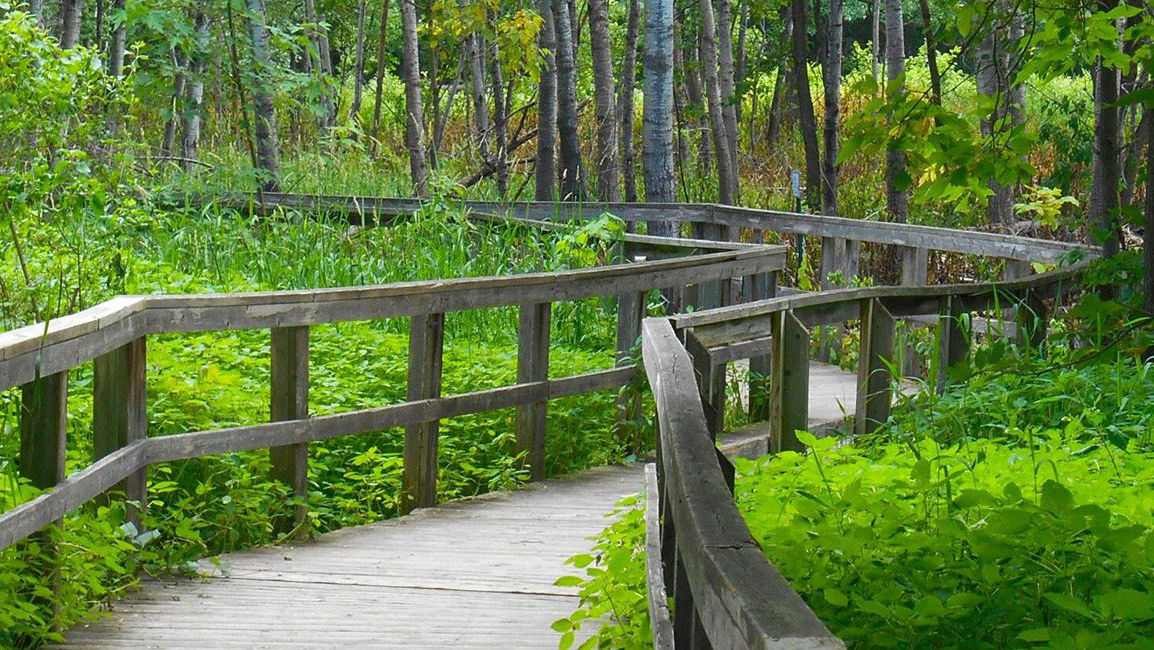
(631,310)
(43,431)
(789,383)
(915,273)
(120,413)
(533,366)
(1033,317)
(876,347)
(833,251)
(289,400)
(952,342)
(426,346)
(763,286)
(710,378)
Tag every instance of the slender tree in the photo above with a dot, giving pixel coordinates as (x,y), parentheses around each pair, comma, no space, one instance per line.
(897,198)
(605,112)
(414,113)
(546,167)
(322,62)
(931,52)
(116,47)
(725,171)
(68,30)
(657,112)
(267,147)
(1107,174)
(831,80)
(194,100)
(475,45)
(500,121)
(381,41)
(726,84)
(1148,253)
(359,75)
(572,174)
(625,102)
(806,118)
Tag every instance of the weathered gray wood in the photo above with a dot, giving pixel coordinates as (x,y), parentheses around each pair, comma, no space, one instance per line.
(740,599)
(762,287)
(789,384)
(876,353)
(631,308)
(426,346)
(953,344)
(710,378)
(915,266)
(120,412)
(901,234)
(289,400)
(466,574)
(43,426)
(533,366)
(659,618)
(30,350)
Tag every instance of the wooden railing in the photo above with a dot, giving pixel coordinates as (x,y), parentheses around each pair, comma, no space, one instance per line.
(725,593)
(113,335)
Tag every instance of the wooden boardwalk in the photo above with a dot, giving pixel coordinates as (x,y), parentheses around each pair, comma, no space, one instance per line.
(472,573)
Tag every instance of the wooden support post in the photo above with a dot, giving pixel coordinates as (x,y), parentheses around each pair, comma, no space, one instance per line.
(289,400)
(915,266)
(833,252)
(763,286)
(710,383)
(419,482)
(631,309)
(876,351)
(789,383)
(852,257)
(1033,319)
(43,435)
(533,365)
(120,413)
(952,342)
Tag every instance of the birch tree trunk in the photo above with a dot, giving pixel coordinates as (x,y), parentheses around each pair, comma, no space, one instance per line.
(414,113)
(808,122)
(605,112)
(323,66)
(194,101)
(545,171)
(625,102)
(476,45)
(831,73)
(178,82)
(267,148)
(716,113)
(116,47)
(381,41)
(500,122)
(572,174)
(657,112)
(897,199)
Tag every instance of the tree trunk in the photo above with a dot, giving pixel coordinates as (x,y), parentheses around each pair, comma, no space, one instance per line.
(805,114)
(381,41)
(726,81)
(1149,217)
(897,198)
(697,101)
(741,63)
(323,63)
(716,112)
(116,47)
(178,82)
(359,77)
(267,148)
(625,102)
(69,27)
(194,101)
(876,36)
(500,123)
(414,113)
(831,72)
(36,8)
(657,112)
(572,175)
(476,45)
(545,171)
(780,83)
(1104,198)
(931,53)
(605,112)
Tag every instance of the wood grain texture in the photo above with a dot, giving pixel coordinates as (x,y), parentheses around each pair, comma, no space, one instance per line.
(467,574)
(533,366)
(289,400)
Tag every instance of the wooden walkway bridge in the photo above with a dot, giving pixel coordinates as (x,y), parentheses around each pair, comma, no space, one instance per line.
(480,572)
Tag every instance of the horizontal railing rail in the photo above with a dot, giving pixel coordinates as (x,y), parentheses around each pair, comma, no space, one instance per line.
(113,334)
(364,210)
(725,592)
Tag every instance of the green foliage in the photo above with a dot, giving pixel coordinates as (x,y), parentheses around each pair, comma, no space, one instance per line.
(613,591)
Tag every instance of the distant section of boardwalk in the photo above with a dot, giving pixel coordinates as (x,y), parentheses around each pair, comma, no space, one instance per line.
(467,574)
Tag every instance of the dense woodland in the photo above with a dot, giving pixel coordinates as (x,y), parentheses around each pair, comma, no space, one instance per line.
(1027,117)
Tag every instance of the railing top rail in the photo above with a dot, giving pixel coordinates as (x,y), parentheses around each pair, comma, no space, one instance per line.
(42,348)
(823,298)
(742,600)
(900,234)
